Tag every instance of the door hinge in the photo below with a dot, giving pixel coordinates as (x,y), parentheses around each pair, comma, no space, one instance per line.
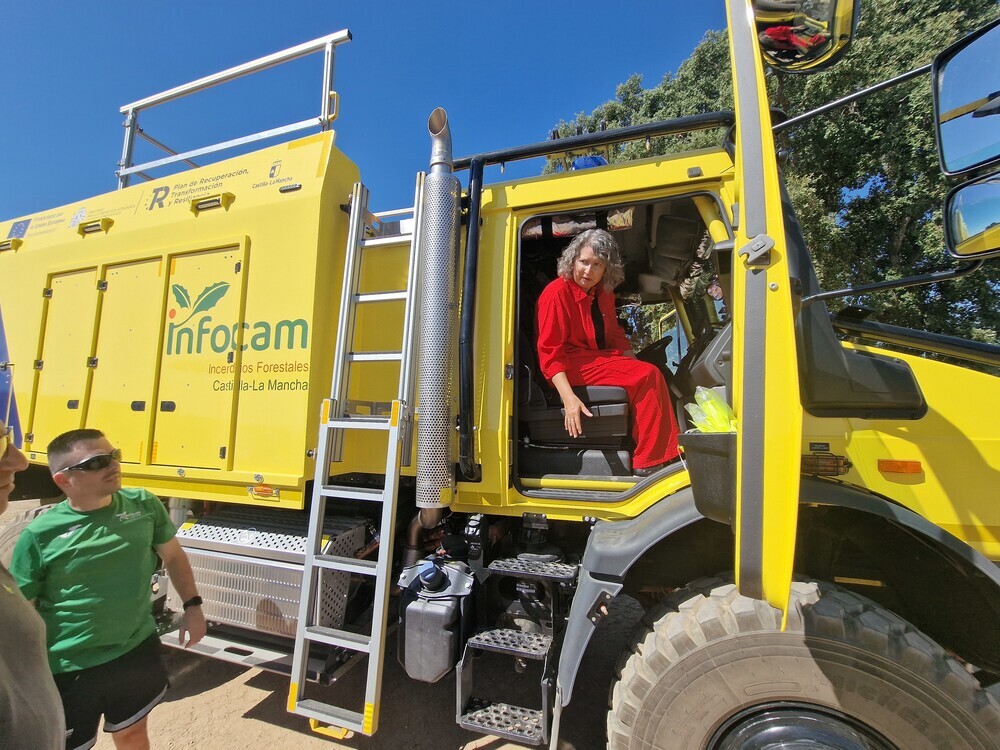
(231,357)
(47,292)
(222,452)
(102,285)
(39,364)
(91,361)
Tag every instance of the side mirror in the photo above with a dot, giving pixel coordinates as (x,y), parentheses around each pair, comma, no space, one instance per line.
(967,101)
(972,218)
(804,36)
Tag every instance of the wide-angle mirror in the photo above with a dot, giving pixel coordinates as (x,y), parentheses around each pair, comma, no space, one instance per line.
(972,218)
(967,101)
(801,36)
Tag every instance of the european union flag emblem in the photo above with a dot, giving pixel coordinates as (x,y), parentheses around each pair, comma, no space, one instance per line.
(18,229)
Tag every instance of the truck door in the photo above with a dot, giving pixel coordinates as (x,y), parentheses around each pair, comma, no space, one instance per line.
(121,395)
(61,372)
(198,367)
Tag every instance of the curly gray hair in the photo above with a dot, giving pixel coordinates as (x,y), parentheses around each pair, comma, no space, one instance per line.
(604,247)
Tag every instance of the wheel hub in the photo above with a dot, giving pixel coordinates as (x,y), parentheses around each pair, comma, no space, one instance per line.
(792,726)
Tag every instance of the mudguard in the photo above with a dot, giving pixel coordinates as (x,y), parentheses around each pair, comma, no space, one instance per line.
(613,547)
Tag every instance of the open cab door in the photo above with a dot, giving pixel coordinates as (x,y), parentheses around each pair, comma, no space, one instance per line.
(765,395)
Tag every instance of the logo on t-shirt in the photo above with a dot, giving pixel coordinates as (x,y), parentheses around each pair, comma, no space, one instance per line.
(70,531)
(126,516)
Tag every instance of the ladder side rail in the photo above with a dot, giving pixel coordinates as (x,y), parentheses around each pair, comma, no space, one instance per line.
(411,324)
(311,573)
(345,325)
(380,606)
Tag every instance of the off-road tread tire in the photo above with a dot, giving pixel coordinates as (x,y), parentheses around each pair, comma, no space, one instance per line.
(706,652)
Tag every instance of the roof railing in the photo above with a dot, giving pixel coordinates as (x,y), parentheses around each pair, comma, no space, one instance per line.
(328,107)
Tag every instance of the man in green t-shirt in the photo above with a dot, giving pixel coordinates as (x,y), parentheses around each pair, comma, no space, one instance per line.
(87,564)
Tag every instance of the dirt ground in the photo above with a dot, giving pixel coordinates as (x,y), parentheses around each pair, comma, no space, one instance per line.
(214,705)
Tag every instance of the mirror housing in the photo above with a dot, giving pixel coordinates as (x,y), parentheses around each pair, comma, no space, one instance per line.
(972,218)
(804,36)
(966,79)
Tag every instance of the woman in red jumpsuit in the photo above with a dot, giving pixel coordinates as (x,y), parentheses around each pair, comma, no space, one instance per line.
(580,342)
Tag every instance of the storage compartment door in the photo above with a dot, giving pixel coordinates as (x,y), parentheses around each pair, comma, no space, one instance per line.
(122,391)
(196,397)
(67,340)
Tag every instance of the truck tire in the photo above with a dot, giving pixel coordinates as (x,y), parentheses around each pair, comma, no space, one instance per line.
(709,669)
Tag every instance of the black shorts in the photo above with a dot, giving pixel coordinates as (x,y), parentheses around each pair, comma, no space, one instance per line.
(123,690)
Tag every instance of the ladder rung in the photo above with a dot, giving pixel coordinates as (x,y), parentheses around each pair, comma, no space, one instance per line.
(380,296)
(351,493)
(360,423)
(341,638)
(334,715)
(346,564)
(395,239)
(375,356)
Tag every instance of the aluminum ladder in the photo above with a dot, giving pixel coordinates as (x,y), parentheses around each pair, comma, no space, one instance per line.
(336,424)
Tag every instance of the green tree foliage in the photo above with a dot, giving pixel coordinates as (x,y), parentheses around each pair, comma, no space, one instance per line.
(864,179)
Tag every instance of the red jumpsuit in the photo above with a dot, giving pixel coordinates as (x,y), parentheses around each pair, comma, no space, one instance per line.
(567,343)
(786,38)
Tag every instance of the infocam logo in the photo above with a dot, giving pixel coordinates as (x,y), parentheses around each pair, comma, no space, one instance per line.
(189,337)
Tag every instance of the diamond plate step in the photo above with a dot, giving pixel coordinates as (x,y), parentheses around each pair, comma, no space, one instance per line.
(504,720)
(513,642)
(541,571)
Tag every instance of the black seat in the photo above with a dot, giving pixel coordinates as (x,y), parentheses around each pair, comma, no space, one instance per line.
(542,413)
(546,447)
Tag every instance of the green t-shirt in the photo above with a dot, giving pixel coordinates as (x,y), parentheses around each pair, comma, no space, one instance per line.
(89,574)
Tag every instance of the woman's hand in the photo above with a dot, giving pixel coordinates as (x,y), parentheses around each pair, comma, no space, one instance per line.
(572,405)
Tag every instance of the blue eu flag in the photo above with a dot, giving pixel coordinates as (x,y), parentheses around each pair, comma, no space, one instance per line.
(18,229)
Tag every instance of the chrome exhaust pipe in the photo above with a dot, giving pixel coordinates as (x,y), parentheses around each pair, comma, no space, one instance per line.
(439,242)
(440,132)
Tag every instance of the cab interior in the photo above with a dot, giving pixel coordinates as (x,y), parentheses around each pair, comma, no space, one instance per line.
(672,306)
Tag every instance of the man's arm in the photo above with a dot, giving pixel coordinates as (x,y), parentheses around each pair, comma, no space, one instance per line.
(182,577)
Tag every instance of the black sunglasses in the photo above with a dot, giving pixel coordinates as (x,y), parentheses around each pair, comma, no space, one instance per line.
(95,463)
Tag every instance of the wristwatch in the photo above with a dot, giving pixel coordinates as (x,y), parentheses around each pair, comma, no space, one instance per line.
(194,601)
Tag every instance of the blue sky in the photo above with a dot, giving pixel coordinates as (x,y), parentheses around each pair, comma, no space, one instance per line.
(506,72)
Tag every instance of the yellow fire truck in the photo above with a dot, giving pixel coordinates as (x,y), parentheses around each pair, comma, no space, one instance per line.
(345,414)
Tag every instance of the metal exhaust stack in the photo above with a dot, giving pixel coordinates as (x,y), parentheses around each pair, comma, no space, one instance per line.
(438,313)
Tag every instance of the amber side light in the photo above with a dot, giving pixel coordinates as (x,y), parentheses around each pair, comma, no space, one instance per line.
(887,466)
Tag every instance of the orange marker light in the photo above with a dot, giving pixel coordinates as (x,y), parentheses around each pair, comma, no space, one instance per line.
(887,466)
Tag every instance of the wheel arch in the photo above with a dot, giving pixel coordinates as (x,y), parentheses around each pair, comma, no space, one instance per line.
(913,561)
(923,559)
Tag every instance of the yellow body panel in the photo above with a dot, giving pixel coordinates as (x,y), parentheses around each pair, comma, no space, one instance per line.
(214,336)
(956,443)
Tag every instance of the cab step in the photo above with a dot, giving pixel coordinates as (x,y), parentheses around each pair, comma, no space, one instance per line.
(529,726)
(524,725)
(512,642)
(540,571)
